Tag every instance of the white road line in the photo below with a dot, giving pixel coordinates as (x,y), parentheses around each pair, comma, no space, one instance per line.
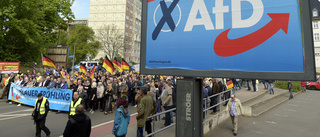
(18,111)
(281,115)
(271,122)
(109,122)
(293,105)
(12,117)
(292,110)
(256,132)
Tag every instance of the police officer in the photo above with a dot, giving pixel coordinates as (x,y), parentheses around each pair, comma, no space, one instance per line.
(74,103)
(39,115)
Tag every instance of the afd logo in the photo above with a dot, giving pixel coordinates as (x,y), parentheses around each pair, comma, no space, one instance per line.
(223,46)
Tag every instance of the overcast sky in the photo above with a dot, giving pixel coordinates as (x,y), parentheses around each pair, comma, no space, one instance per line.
(80,8)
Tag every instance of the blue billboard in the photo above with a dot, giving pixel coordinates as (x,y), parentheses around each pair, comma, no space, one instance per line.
(225,35)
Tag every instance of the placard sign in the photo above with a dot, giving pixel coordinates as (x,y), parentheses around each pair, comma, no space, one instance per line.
(228,38)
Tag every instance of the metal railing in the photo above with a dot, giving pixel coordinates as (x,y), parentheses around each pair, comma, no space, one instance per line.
(218,103)
(153,122)
(205,109)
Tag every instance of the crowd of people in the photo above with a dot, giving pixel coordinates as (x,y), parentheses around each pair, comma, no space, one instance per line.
(107,92)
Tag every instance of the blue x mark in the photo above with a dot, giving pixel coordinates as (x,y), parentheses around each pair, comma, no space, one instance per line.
(165,18)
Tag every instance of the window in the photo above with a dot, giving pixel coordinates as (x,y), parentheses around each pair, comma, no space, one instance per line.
(314,13)
(126,33)
(315,24)
(127,8)
(128,1)
(131,3)
(316,36)
(130,19)
(126,25)
(130,11)
(130,27)
(127,17)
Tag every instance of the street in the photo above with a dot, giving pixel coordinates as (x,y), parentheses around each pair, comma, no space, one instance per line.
(15,121)
(298,117)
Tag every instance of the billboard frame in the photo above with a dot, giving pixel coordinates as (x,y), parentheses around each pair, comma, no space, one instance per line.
(309,73)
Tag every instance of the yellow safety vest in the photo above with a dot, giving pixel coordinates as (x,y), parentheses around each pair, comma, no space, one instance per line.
(38,78)
(73,107)
(42,106)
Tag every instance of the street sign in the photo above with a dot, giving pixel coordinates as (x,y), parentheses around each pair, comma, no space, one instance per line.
(260,39)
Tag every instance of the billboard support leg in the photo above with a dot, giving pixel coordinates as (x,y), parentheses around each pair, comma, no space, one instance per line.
(189,108)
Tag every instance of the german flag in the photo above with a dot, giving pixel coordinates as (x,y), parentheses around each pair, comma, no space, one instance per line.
(124,65)
(47,61)
(76,73)
(92,72)
(117,64)
(108,65)
(75,81)
(63,74)
(83,69)
(44,69)
(229,84)
(68,76)
(83,76)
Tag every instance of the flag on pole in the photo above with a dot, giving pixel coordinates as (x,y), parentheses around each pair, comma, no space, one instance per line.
(117,64)
(130,70)
(75,82)
(34,69)
(83,77)
(83,69)
(108,65)
(92,72)
(58,65)
(68,76)
(124,65)
(47,61)
(44,69)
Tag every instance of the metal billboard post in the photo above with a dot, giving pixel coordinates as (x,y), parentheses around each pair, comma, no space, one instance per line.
(189,108)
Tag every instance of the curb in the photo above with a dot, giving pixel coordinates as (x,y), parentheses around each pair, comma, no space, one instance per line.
(256,115)
(265,101)
(250,99)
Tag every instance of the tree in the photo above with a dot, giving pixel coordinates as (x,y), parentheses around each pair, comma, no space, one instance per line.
(27,27)
(83,38)
(112,40)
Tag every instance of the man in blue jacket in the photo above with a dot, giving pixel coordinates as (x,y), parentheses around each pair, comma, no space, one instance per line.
(63,84)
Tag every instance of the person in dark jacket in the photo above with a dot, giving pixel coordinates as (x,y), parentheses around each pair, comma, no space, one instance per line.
(290,87)
(79,125)
(39,115)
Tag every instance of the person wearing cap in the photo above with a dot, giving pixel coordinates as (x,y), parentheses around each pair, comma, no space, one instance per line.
(39,115)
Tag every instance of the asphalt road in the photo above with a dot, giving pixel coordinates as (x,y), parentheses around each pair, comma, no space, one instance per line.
(299,117)
(15,121)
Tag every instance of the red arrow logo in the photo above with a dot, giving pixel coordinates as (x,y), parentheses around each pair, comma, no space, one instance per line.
(225,47)
(150,0)
(18,97)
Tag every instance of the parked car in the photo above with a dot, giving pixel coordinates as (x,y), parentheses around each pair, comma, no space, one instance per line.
(313,85)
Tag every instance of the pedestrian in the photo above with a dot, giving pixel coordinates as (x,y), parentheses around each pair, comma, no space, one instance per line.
(100,98)
(109,97)
(74,102)
(270,85)
(79,125)
(93,103)
(167,102)
(234,108)
(39,115)
(122,118)
(145,109)
(290,87)
(303,86)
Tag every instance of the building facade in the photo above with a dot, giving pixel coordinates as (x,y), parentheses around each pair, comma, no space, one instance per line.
(315,11)
(126,16)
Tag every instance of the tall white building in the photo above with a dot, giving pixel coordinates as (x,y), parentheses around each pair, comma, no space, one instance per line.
(315,8)
(126,15)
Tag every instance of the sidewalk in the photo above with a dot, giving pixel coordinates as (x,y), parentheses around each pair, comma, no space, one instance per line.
(242,94)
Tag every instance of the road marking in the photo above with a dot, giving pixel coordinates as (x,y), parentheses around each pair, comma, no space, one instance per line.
(18,111)
(256,132)
(110,121)
(14,116)
(281,115)
(293,105)
(271,122)
(292,110)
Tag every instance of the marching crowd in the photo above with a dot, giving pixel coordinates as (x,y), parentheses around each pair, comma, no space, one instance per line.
(107,92)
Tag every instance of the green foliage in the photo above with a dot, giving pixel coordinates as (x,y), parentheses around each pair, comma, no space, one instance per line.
(82,37)
(27,27)
(284,85)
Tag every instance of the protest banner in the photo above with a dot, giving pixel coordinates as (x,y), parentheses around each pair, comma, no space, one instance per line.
(59,99)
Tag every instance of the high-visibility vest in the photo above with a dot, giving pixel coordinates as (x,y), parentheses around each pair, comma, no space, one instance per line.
(42,106)
(38,78)
(73,107)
